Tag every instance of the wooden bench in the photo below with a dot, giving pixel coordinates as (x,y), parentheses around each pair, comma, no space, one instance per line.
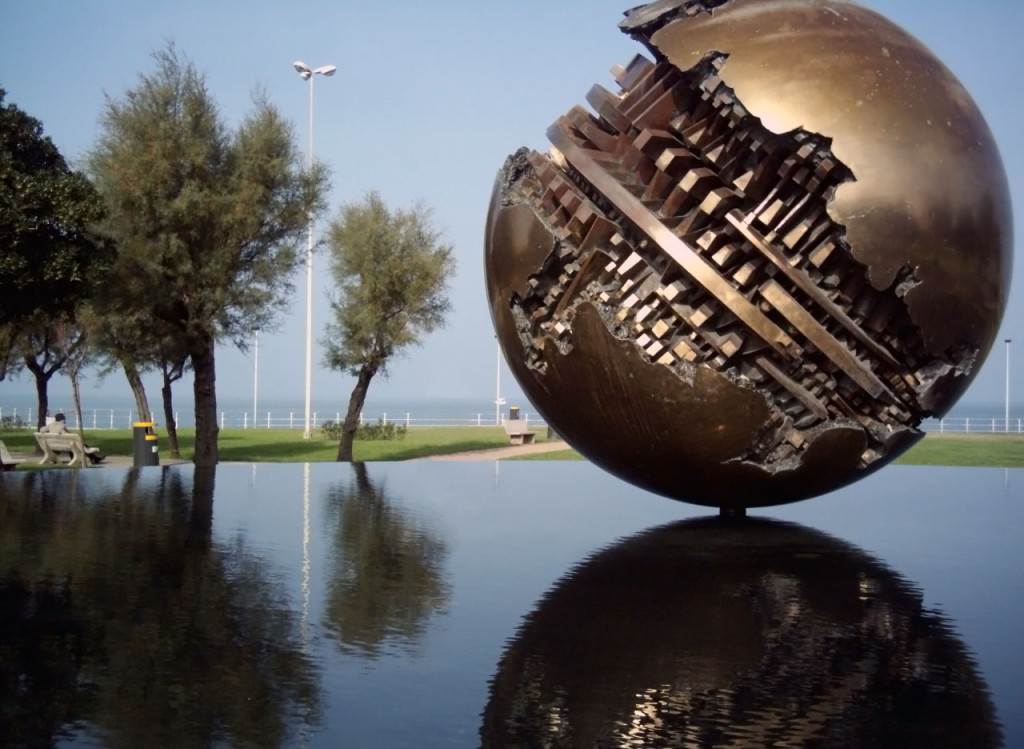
(518,433)
(9,461)
(52,444)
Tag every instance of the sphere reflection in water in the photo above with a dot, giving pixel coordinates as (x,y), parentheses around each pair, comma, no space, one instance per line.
(757,633)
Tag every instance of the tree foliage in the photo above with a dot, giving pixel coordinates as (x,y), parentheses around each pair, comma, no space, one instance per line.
(391,272)
(44,343)
(207,219)
(49,256)
(10,362)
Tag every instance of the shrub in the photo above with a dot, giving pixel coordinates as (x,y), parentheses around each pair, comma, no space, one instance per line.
(331,430)
(380,431)
(12,422)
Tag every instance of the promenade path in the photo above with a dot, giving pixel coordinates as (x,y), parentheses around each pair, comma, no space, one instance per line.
(497,453)
(500,453)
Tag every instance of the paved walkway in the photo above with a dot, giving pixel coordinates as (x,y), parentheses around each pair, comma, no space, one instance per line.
(498,453)
(127,461)
(111,461)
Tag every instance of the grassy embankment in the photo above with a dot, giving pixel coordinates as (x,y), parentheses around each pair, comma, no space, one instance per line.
(991,450)
(286,445)
(995,450)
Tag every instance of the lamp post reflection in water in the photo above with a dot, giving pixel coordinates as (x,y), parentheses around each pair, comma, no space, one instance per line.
(305,556)
(307,649)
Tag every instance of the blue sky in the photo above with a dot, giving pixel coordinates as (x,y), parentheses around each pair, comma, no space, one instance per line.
(428,101)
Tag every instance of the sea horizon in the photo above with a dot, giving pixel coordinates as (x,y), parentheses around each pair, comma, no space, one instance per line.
(98,411)
(105,411)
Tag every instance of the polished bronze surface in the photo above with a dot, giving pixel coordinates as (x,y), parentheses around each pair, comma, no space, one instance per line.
(745,278)
(742,634)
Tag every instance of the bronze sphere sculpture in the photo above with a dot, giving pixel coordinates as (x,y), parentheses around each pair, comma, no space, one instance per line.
(745,278)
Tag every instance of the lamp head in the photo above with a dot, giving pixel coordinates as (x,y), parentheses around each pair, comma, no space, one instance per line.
(302,69)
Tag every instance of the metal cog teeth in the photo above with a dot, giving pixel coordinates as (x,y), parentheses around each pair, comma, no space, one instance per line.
(709,239)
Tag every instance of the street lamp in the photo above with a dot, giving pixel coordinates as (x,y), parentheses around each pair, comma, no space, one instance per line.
(308,74)
(255,372)
(498,400)
(1006,415)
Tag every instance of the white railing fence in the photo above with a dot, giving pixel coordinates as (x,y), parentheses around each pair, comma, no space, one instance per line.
(975,425)
(125,418)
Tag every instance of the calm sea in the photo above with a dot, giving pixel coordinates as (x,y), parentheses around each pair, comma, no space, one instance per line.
(98,412)
(105,412)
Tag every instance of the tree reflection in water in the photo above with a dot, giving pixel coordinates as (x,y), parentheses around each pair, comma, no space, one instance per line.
(121,617)
(387,570)
(714,633)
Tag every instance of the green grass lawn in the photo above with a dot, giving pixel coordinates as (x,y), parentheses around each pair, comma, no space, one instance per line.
(993,450)
(287,445)
(998,450)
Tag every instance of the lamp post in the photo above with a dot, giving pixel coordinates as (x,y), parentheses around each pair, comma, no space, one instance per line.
(255,372)
(1006,414)
(308,74)
(498,400)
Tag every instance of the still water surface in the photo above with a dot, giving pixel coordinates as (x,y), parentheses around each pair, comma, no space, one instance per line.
(515,604)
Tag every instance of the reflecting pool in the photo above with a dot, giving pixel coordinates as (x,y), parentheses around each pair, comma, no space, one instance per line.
(509,604)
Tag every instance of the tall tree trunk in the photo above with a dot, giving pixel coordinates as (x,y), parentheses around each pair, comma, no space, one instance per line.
(42,378)
(172,425)
(204,386)
(355,407)
(138,390)
(76,399)
(173,370)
